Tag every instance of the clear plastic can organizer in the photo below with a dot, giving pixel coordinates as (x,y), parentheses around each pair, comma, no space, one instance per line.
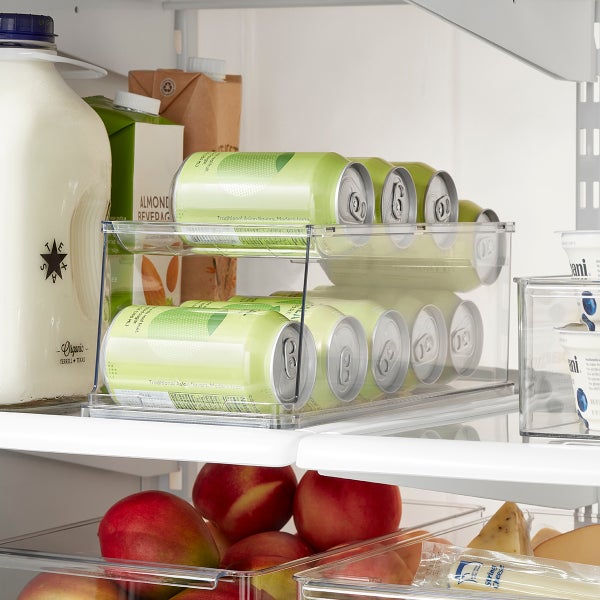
(326,322)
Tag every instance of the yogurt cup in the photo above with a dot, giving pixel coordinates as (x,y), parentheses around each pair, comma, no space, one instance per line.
(582,348)
(583,250)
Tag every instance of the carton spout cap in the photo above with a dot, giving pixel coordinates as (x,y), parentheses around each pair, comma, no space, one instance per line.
(137,102)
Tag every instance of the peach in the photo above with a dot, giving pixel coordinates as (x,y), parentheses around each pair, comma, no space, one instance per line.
(220,538)
(274,543)
(268,580)
(224,591)
(57,586)
(243,500)
(158,527)
(411,552)
(231,593)
(381,564)
(329,511)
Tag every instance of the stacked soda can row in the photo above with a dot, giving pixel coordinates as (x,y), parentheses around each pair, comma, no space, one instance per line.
(258,354)
(319,188)
(245,203)
(437,337)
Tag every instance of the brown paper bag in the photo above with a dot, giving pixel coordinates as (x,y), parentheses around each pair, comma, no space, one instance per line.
(210,112)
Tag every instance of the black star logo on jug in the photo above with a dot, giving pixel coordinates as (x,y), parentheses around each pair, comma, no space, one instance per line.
(54,258)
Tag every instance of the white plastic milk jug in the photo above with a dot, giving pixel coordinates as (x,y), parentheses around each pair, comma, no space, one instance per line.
(55,166)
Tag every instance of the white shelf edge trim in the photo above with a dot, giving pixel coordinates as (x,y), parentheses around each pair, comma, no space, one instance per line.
(148,439)
(547,474)
(218,4)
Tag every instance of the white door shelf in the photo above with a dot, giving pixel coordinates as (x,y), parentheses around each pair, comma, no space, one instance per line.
(542,472)
(147,439)
(546,475)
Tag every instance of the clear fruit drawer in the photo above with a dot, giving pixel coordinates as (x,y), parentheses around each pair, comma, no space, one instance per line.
(425,566)
(66,562)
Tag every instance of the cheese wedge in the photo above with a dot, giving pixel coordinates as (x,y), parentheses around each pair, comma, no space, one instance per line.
(581,545)
(545,533)
(506,531)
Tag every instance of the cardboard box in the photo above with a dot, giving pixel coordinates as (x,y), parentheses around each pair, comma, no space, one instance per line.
(210,111)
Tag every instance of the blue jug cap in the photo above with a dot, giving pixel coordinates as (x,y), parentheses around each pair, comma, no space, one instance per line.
(23,27)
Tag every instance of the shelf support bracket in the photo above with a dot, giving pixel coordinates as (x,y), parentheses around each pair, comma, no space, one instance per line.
(587,160)
(185,36)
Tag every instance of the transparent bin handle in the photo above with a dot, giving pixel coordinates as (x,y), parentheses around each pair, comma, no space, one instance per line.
(83,70)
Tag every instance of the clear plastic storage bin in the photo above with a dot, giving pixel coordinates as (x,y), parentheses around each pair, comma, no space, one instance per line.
(72,552)
(559,356)
(327,322)
(369,576)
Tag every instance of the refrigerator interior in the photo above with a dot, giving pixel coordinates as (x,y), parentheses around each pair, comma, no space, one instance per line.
(390,81)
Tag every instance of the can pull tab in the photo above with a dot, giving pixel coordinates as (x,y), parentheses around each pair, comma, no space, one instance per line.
(290,357)
(485,247)
(425,348)
(442,208)
(387,358)
(357,207)
(398,195)
(461,341)
(345,370)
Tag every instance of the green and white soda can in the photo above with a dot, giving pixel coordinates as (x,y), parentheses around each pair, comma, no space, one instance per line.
(207,360)
(428,336)
(477,257)
(275,189)
(465,333)
(470,212)
(395,192)
(437,198)
(387,335)
(341,342)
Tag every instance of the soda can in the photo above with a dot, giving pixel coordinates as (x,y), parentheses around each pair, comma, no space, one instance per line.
(277,189)
(477,257)
(342,351)
(395,197)
(465,333)
(387,336)
(437,198)
(395,193)
(207,360)
(428,335)
(470,212)
(446,432)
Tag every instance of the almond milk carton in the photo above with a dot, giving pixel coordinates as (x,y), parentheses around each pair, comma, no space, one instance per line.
(147,150)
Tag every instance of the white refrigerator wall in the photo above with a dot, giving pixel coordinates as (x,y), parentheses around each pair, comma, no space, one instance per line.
(396,82)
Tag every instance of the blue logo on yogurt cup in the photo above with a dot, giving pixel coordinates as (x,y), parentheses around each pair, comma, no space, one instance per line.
(589,324)
(590,306)
(582,401)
